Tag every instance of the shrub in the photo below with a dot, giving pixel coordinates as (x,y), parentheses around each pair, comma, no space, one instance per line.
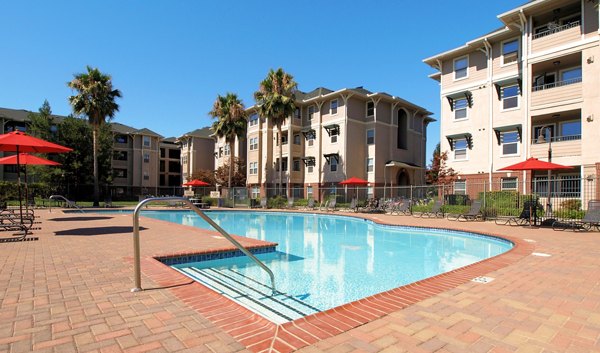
(277,202)
(571,205)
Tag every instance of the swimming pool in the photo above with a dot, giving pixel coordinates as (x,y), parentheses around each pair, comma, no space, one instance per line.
(323,261)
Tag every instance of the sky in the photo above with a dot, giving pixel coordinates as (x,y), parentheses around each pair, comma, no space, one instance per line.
(170,59)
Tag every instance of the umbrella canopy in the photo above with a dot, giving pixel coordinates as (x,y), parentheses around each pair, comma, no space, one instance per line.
(196,183)
(354,181)
(27,159)
(20,141)
(535,164)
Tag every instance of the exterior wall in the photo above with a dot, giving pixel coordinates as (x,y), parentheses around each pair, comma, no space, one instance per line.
(196,154)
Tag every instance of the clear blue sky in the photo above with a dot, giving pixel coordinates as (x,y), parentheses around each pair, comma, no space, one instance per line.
(170,59)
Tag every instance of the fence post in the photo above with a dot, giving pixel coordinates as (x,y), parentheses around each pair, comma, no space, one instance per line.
(484,195)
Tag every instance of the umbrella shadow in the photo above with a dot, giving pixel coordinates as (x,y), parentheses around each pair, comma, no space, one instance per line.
(96,231)
(83,218)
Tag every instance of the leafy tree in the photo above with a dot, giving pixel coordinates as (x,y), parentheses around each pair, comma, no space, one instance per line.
(231,123)
(239,173)
(95,99)
(276,101)
(438,172)
(206,175)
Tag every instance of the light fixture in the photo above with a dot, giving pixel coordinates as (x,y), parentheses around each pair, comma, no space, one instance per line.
(590,118)
(556,63)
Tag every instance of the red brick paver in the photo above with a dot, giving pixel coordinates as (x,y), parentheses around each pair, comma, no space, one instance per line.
(69,291)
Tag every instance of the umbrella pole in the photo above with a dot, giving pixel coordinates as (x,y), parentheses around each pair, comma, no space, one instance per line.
(19,185)
(26,190)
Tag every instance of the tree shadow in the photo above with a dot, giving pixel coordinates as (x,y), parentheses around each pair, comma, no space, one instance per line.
(82,218)
(97,231)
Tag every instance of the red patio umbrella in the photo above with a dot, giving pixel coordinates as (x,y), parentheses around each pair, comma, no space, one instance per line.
(356,182)
(26,159)
(18,141)
(196,183)
(535,164)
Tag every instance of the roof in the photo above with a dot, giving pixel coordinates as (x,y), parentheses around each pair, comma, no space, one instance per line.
(147,132)
(122,128)
(204,132)
(171,139)
(20,114)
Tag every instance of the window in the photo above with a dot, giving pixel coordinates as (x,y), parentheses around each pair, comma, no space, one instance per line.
(509,184)
(570,186)
(309,192)
(162,166)
(460,149)
(120,155)
(163,153)
(510,51)
(571,75)
(334,135)
(297,139)
(510,143)
(544,136)
(460,108)
(461,66)
(333,105)
(311,111)
(333,164)
(370,137)
(146,141)
(402,133)
(510,97)
(146,176)
(174,167)
(120,173)
(460,187)
(311,139)
(253,168)
(370,164)
(309,169)
(121,138)
(146,157)
(174,154)
(255,192)
(284,164)
(284,139)
(370,192)
(253,120)
(226,150)
(570,130)
(296,166)
(370,108)
(297,113)
(253,143)
(184,159)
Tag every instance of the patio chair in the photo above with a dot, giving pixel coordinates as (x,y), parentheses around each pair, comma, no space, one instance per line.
(590,220)
(435,212)
(474,213)
(528,216)
(401,208)
(372,206)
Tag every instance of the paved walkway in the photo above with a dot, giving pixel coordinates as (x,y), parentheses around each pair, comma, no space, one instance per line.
(69,292)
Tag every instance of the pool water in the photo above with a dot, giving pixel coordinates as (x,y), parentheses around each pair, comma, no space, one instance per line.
(323,261)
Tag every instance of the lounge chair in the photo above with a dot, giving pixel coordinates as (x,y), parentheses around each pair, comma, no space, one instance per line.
(330,205)
(353,205)
(590,220)
(435,212)
(401,208)
(310,204)
(474,213)
(372,206)
(528,216)
(263,202)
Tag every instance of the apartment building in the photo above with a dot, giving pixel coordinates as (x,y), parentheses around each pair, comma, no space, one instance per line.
(335,135)
(222,152)
(170,163)
(523,90)
(197,148)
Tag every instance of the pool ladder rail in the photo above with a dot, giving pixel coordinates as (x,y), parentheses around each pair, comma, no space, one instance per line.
(69,203)
(136,239)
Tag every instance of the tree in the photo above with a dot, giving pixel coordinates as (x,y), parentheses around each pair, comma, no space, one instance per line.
(239,173)
(276,101)
(95,99)
(206,175)
(231,123)
(438,172)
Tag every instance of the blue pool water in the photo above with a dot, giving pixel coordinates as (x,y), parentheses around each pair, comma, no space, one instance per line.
(325,261)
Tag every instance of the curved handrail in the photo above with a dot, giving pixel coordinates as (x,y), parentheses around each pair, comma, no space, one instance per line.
(69,202)
(136,239)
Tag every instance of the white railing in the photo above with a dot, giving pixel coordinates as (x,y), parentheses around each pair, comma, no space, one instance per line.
(555,29)
(556,84)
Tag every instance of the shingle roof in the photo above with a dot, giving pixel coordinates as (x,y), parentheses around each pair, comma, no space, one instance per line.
(147,132)
(203,132)
(20,114)
(122,128)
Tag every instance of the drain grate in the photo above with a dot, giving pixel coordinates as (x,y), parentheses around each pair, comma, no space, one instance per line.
(482,279)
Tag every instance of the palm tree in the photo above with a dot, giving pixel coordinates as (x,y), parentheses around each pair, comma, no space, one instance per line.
(95,99)
(276,101)
(231,123)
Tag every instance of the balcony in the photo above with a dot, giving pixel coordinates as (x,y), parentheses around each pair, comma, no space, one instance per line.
(552,35)
(555,92)
(564,148)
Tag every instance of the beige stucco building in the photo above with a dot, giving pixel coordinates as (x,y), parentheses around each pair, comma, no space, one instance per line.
(335,135)
(197,148)
(506,95)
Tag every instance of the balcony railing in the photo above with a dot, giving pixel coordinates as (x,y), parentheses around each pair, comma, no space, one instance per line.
(556,29)
(556,84)
(556,139)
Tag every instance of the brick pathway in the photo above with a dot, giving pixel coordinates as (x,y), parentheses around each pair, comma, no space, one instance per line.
(69,292)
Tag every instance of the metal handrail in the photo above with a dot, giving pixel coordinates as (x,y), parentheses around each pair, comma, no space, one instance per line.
(69,202)
(136,239)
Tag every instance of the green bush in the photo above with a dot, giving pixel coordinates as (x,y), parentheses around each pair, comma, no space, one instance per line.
(208,200)
(571,205)
(277,202)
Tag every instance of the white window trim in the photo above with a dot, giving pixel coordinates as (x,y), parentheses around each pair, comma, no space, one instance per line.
(337,107)
(454,112)
(367,137)
(516,184)
(454,65)
(516,154)
(503,64)
(518,99)
(460,181)
(466,151)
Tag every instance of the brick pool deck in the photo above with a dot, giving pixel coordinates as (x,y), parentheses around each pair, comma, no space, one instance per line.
(69,291)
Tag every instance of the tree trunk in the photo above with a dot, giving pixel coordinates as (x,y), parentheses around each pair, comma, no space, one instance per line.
(230,163)
(95,156)
(279,186)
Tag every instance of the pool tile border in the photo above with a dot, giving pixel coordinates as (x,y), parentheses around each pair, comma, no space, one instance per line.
(261,335)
